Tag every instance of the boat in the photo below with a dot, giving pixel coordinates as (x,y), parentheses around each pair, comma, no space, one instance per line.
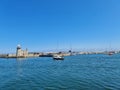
(46,55)
(111,53)
(58,57)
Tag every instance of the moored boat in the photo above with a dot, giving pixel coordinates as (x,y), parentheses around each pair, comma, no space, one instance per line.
(111,53)
(58,57)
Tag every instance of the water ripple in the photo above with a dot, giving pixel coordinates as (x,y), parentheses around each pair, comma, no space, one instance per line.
(83,72)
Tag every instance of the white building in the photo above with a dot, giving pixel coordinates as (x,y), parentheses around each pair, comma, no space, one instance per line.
(20,52)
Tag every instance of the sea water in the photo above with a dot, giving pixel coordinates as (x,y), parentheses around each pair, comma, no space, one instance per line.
(80,72)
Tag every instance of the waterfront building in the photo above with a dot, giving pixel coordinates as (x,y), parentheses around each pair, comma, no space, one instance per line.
(20,52)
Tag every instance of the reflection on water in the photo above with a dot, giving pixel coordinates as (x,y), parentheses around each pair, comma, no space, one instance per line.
(91,72)
(19,67)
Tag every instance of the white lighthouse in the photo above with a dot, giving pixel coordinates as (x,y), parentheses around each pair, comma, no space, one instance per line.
(21,53)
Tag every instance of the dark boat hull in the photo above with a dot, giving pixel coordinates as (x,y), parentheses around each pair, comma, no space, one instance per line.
(58,58)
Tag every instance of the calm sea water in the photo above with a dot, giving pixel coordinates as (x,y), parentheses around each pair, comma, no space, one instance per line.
(82,72)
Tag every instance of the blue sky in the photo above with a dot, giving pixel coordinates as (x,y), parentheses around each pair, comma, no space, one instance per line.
(44,24)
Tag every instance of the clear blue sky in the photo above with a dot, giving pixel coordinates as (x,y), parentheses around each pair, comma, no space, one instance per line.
(42,24)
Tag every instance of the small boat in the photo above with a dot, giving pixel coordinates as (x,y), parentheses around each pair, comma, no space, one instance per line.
(58,57)
(111,53)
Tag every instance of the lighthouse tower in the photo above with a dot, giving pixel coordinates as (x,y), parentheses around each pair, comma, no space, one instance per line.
(21,53)
(18,52)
